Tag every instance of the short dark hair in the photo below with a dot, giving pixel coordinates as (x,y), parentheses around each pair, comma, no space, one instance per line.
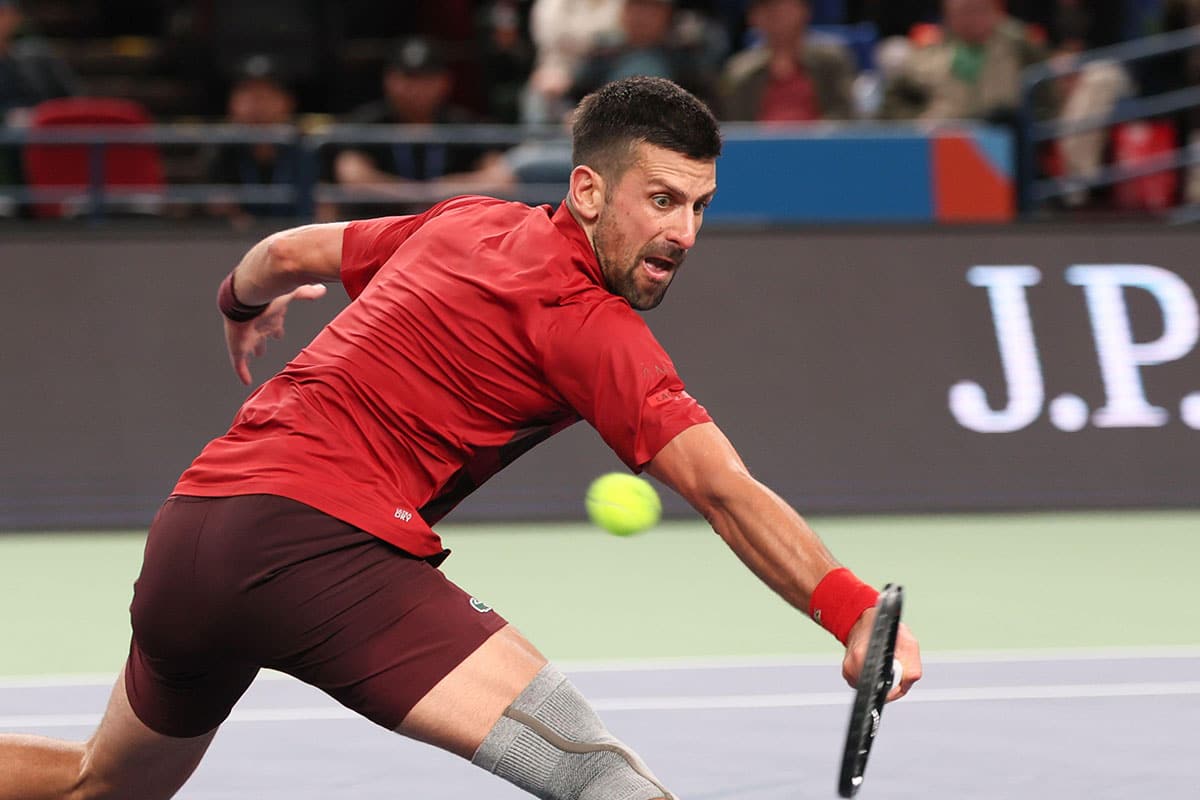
(616,117)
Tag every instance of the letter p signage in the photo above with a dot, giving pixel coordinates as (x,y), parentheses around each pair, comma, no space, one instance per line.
(1120,356)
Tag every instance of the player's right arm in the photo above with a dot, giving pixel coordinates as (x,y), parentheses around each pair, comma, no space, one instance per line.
(766,533)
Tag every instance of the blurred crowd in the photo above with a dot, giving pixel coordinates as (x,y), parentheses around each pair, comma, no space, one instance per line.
(767,62)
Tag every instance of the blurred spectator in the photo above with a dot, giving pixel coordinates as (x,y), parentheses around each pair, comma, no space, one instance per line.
(1089,93)
(29,73)
(259,96)
(565,33)
(297,34)
(974,72)
(888,58)
(507,60)
(787,77)
(417,84)
(649,43)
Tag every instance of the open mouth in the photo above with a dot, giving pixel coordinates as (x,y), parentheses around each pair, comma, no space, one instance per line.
(658,268)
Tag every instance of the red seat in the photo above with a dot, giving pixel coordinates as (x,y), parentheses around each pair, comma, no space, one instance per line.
(133,168)
(1136,144)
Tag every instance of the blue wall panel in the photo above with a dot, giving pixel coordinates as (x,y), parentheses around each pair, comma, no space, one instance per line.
(848,178)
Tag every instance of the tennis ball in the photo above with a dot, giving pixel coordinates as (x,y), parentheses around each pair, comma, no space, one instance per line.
(623,504)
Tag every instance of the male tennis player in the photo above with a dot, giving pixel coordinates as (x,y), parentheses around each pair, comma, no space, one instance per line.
(301,540)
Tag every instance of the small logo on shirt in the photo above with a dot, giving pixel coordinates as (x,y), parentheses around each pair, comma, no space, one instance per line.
(668,396)
(480,606)
(402,515)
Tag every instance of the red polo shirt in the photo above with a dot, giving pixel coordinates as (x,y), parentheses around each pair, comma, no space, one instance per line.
(477,330)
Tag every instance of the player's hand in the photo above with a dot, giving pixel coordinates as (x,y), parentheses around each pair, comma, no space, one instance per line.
(245,339)
(908,653)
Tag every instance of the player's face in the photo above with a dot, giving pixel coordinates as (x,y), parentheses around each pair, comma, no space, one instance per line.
(649,222)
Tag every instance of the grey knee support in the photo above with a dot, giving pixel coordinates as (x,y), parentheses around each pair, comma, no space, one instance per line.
(550,743)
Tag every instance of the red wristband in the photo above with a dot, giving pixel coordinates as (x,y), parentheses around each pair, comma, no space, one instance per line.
(233,308)
(839,600)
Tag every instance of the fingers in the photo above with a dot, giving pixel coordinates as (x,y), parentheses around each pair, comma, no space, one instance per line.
(243,371)
(246,339)
(906,667)
(309,291)
(240,367)
(908,654)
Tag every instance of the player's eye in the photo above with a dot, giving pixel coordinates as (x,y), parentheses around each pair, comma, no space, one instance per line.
(661,200)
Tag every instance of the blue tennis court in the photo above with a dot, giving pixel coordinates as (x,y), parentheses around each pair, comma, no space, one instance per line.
(1087,723)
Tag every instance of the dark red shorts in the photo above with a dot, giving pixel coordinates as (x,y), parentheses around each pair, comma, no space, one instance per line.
(233,584)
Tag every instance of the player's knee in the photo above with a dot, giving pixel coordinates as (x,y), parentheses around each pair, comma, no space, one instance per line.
(94,783)
(550,743)
(90,782)
(74,764)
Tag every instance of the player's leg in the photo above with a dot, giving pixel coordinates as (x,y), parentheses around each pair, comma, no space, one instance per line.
(463,707)
(122,759)
(516,716)
(390,637)
(181,679)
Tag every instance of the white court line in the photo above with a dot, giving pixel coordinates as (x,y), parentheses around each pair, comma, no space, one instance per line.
(968,695)
(943,657)
(697,663)
(698,702)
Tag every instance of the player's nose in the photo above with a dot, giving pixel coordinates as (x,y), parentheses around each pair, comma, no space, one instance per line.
(682,233)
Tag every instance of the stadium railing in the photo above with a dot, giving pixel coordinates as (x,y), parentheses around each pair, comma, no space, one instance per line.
(822,173)
(99,197)
(1035,191)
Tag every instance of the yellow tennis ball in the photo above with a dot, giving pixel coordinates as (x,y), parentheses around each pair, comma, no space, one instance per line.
(623,504)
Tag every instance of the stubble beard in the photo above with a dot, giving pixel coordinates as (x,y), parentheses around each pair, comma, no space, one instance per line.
(622,280)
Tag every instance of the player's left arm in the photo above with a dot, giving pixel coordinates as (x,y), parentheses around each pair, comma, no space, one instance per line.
(289,265)
(766,533)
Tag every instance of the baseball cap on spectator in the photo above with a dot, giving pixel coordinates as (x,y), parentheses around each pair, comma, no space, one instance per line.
(418,56)
(258,67)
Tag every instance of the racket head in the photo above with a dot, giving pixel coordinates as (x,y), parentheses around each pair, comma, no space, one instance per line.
(874,683)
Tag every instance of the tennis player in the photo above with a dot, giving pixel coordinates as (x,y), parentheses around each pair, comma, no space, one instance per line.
(301,540)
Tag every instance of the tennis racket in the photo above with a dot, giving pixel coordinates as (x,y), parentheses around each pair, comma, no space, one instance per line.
(874,682)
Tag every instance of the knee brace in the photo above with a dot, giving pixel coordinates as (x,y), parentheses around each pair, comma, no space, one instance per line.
(550,743)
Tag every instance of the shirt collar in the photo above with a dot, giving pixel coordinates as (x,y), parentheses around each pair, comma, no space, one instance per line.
(573,232)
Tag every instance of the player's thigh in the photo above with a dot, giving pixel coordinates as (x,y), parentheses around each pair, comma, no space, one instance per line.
(126,759)
(462,708)
(372,626)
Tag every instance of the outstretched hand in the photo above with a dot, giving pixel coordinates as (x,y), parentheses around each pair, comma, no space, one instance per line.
(908,653)
(245,339)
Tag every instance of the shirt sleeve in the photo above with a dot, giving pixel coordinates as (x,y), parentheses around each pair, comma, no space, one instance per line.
(609,367)
(368,244)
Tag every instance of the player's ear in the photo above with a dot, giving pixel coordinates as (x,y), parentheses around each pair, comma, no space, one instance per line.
(586,192)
